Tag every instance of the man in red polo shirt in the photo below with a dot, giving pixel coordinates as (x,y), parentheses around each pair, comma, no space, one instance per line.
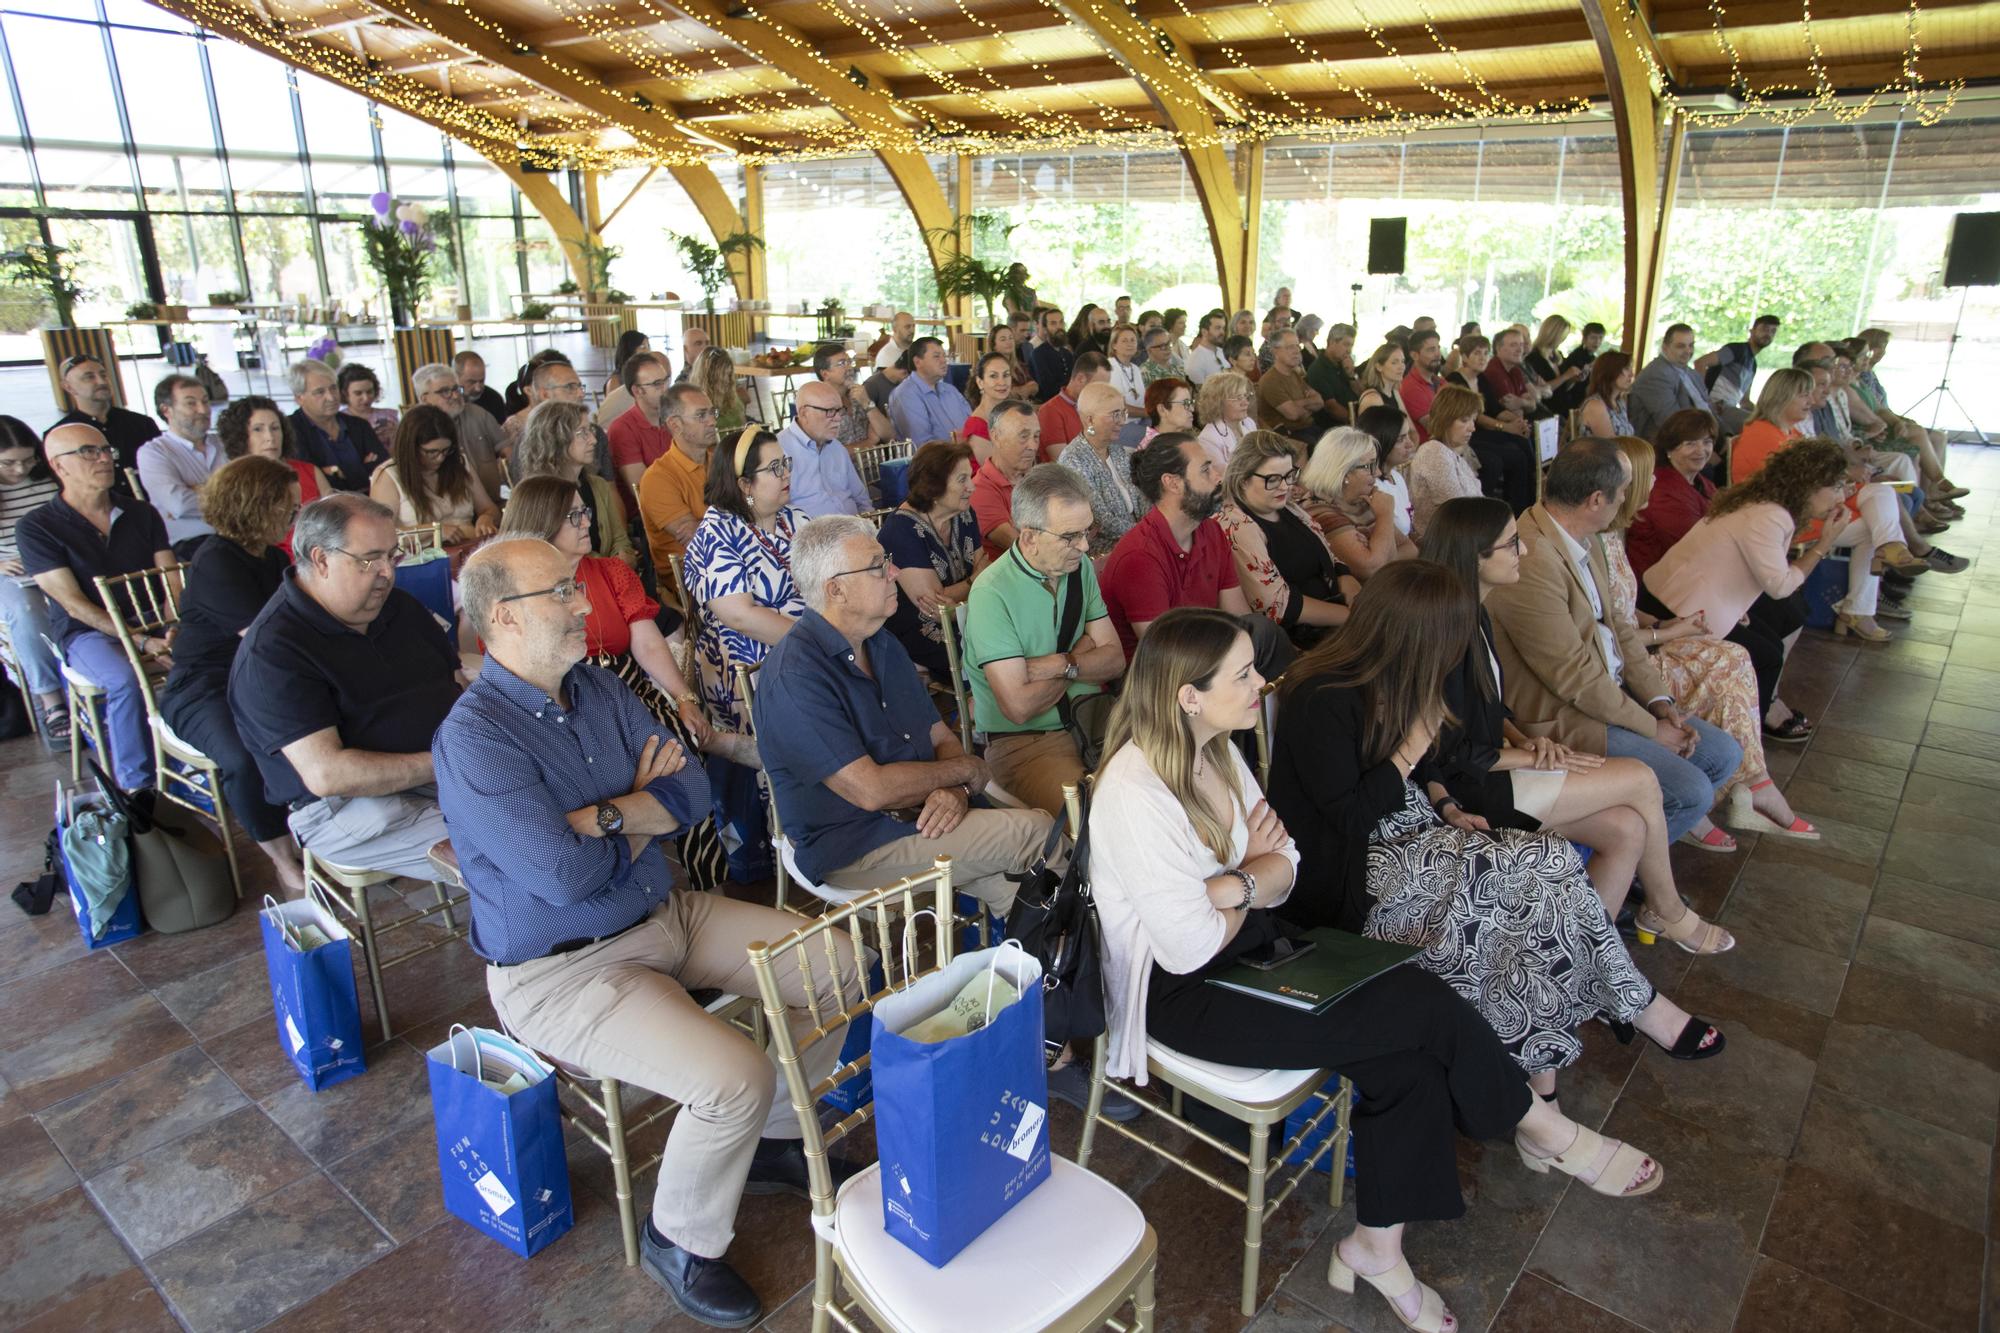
(1016,437)
(638,435)
(1176,555)
(1060,422)
(1420,386)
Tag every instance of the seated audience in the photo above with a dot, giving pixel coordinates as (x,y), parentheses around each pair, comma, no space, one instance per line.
(1395,437)
(1276,321)
(1577,672)
(715,375)
(479,435)
(255,425)
(26,484)
(1681,488)
(1003,338)
(1604,399)
(81,535)
(879,385)
(1499,773)
(1425,376)
(1016,447)
(337,689)
(1126,376)
(1356,514)
(1445,466)
(1224,412)
(990,384)
(558,439)
(1584,355)
(925,406)
(1160,363)
(1243,324)
(871,785)
(1927,446)
(902,333)
(88,388)
(863,421)
(1036,633)
(1285,402)
(1104,466)
(1505,915)
(1309,328)
(343,447)
(426,479)
(1380,382)
(1060,422)
(1204,354)
(617,400)
(1545,361)
(638,434)
(471,370)
(933,537)
(1730,373)
(824,478)
(1187,863)
(250,503)
(1331,374)
(175,464)
(1053,360)
(1175,321)
(548,376)
(1090,331)
(1169,407)
(670,494)
(1666,385)
(1283,564)
(359,388)
(557,850)
(1242,354)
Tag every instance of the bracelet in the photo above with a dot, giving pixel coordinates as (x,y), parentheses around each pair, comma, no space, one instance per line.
(1249,887)
(688,697)
(1445,800)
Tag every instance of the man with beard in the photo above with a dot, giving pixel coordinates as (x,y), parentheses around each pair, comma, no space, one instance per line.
(1177,554)
(338,688)
(88,385)
(1420,386)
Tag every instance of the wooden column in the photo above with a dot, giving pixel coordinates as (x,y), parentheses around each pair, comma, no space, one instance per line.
(1633,64)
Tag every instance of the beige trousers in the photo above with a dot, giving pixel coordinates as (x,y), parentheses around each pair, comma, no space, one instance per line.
(985,846)
(621,1008)
(1034,765)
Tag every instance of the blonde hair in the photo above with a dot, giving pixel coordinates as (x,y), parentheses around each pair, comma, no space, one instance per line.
(1215,390)
(1339,452)
(1549,337)
(1372,377)
(1252,452)
(544,446)
(1639,453)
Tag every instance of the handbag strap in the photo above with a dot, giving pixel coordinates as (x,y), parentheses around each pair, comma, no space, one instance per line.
(1071,618)
(135,820)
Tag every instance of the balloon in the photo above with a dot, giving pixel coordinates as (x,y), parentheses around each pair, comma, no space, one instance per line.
(380,202)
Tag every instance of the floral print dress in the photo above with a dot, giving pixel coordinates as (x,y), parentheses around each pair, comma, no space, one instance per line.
(726,556)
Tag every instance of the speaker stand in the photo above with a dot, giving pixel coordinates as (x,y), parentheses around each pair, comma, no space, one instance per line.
(1943,392)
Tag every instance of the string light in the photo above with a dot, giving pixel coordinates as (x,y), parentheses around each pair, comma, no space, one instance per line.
(789,123)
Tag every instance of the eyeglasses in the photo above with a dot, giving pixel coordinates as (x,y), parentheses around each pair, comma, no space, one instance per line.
(1175,404)
(1511,544)
(438,451)
(883,568)
(1080,540)
(564,593)
(1275,480)
(578,517)
(648,384)
(388,560)
(777,467)
(89,453)
(815,407)
(445,391)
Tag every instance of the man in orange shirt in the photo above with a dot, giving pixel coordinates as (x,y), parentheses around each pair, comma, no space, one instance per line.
(1060,422)
(670,492)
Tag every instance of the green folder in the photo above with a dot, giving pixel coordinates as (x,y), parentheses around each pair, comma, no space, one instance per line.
(1317,979)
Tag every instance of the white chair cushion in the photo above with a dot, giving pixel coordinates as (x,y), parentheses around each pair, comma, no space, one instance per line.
(82,683)
(1233,1081)
(179,748)
(1044,1255)
(826,892)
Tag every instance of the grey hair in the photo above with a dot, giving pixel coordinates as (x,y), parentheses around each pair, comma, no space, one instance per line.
(816,553)
(1044,482)
(322,525)
(423,377)
(540,378)
(1339,331)
(486,579)
(1308,327)
(1339,452)
(296,373)
(545,438)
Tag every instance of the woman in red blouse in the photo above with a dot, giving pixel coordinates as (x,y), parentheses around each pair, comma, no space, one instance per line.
(256,425)
(1685,443)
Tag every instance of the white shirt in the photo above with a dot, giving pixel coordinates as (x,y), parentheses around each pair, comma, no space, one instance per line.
(1129,380)
(1579,555)
(1398,487)
(173,472)
(892,352)
(1201,362)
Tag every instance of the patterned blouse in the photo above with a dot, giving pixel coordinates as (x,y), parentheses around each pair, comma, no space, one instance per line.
(910,542)
(1264,585)
(1437,474)
(726,556)
(1114,503)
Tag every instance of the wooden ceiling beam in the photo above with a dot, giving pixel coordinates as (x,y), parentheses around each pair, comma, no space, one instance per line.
(1686,18)
(1055,76)
(1847,76)
(1471,38)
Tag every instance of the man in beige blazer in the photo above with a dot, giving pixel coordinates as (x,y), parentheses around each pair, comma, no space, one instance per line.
(1574,668)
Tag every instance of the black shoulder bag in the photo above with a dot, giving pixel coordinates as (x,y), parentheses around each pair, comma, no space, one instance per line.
(1055,921)
(1087,718)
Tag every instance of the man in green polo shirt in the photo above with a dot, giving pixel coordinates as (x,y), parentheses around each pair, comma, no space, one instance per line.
(1013,617)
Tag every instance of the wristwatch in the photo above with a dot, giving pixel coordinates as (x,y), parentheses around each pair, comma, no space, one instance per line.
(1069,666)
(610,819)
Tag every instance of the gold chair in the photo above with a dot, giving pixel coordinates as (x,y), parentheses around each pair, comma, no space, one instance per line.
(868,461)
(84,698)
(1106,1249)
(10,663)
(421,539)
(951,627)
(143,605)
(132,482)
(347,888)
(873,517)
(1267,717)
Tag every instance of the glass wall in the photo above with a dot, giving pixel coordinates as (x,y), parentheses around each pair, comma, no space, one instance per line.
(185,166)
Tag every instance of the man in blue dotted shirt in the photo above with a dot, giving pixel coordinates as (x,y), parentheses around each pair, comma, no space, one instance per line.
(557,786)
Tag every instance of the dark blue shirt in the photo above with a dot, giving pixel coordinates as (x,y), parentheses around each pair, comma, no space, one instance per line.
(511,764)
(298,671)
(55,536)
(354,452)
(817,712)
(1052,366)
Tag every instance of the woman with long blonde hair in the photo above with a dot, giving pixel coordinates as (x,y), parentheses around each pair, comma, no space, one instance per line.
(1186,860)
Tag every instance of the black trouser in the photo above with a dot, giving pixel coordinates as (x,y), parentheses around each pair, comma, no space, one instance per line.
(200,716)
(1426,1064)
(1506,467)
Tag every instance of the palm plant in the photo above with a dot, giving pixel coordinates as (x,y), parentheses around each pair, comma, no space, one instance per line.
(967,277)
(39,264)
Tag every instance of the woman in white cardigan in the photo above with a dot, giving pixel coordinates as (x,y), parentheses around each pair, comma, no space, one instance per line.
(1185,858)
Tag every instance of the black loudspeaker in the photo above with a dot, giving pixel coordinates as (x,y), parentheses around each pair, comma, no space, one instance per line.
(1385,244)
(1972,255)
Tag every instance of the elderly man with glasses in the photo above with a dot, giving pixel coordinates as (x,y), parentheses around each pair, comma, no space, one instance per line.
(84,534)
(478,431)
(338,689)
(824,479)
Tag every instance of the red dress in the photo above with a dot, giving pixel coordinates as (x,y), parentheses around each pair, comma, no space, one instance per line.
(617,598)
(308,492)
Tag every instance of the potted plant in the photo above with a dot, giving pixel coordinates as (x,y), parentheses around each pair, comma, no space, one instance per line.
(710,263)
(597,258)
(965,277)
(230,298)
(398,244)
(567,287)
(40,264)
(142,310)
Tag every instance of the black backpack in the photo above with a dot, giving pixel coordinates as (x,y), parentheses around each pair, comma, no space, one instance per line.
(1055,921)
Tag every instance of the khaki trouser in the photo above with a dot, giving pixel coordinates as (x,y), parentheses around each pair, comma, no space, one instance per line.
(1034,765)
(985,846)
(621,1008)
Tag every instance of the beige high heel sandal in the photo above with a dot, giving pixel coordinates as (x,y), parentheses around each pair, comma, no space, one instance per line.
(1612,1181)
(1651,929)
(1394,1285)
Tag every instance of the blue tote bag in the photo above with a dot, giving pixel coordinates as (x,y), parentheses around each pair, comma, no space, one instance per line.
(310,959)
(500,1139)
(961,1099)
(96,856)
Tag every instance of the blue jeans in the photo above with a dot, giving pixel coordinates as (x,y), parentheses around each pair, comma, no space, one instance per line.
(99,659)
(26,612)
(1687,786)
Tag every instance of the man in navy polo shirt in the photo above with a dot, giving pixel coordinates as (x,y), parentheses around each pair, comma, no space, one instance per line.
(1177,555)
(340,445)
(871,786)
(338,688)
(84,534)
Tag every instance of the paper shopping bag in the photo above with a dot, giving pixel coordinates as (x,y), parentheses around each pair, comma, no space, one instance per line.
(309,957)
(500,1139)
(961,1099)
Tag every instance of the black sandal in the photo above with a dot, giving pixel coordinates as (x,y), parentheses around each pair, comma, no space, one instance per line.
(56,722)
(1795,730)
(1688,1046)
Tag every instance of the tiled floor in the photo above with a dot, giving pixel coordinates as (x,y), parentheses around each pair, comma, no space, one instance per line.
(1833,1170)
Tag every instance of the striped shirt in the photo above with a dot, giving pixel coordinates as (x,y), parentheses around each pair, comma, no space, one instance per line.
(16,501)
